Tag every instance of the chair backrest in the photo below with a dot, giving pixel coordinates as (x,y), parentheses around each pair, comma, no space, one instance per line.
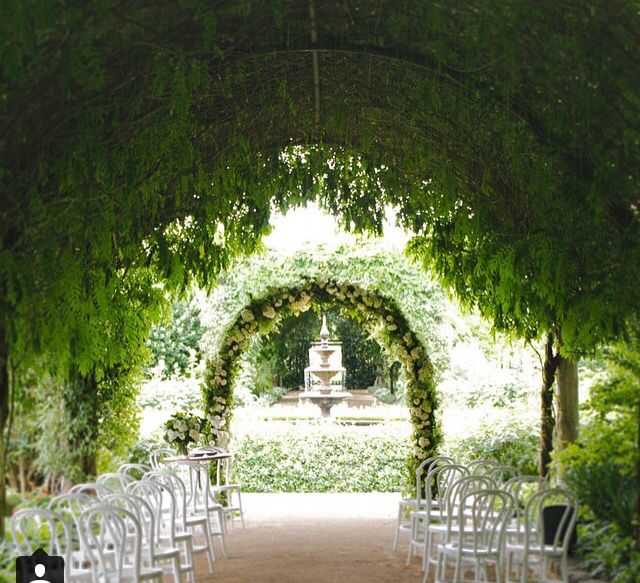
(72,505)
(462,487)
(157,455)
(162,501)
(113,538)
(135,471)
(550,519)
(502,474)
(32,528)
(486,514)
(88,488)
(172,483)
(143,511)
(482,466)
(112,483)
(423,470)
(437,483)
(523,487)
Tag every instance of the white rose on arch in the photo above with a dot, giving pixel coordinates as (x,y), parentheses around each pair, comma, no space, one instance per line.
(247,315)
(269,312)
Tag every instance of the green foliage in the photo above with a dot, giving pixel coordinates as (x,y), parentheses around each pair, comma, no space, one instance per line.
(607,554)
(177,343)
(508,444)
(151,144)
(321,462)
(140,452)
(367,263)
(501,396)
(286,351)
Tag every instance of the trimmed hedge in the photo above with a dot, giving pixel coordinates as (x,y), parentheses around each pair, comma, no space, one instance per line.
(317,462)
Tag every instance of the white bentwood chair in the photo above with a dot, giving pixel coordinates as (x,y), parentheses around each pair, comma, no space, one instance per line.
(550,519)
(437,483)
(485,514)
(113,537)
(41,527)
(407,505)
(186,520)
(451,529)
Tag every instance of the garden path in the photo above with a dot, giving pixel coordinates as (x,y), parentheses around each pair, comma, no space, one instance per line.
(314,538)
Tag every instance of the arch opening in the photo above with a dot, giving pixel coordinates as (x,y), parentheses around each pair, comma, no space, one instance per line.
(371,309)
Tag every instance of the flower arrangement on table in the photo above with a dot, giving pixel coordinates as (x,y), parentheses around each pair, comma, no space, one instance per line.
(184,430)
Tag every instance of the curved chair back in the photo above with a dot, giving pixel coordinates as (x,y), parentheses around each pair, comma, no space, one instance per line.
(437,483)
(113,483)
(135,471)
(157,455)
(550,519)
(113,538)
(145,514)
(487,514)
(423,470)
(173,484)
(163,504)
(482,466)
(32,528)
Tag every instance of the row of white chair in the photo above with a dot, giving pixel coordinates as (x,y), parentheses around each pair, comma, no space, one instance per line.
(123,529)
(483,514)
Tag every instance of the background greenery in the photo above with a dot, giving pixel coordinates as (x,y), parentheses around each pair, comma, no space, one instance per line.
(302,461)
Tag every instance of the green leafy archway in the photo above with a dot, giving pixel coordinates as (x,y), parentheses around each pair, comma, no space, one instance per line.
(371,309)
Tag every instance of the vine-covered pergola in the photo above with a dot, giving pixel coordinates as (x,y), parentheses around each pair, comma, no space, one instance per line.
(145,144)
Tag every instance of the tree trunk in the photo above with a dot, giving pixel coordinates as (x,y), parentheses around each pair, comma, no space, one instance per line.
(547,417)
(5,391)
(567,396)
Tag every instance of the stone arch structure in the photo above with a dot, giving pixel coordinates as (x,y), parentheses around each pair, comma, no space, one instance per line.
(372,309)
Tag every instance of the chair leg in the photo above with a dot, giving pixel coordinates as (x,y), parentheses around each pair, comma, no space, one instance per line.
(414,520)
(398,522)
(456,573)
(525,568)
(240,508)
(177,578)
(564,568)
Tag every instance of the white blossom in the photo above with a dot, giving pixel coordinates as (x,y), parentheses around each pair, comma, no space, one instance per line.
(269,312)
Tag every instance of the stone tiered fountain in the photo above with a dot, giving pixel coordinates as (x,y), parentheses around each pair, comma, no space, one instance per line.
(324,377)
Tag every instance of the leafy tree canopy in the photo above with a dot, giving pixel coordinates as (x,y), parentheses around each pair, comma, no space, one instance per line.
(138,134)
(177,342)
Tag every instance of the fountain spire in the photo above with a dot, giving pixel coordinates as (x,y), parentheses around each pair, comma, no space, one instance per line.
(324,332)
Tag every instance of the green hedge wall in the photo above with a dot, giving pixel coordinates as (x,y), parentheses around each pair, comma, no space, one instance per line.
(348,462)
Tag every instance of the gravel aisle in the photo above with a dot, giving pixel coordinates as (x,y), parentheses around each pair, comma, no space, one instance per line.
(314,538)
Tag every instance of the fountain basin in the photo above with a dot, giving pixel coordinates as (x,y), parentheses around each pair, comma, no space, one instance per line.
(325,401)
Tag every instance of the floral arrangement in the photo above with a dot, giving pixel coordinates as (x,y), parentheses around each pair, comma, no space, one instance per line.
(375,312)
(186,429)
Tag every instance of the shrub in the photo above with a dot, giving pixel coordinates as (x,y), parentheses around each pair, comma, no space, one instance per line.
(508,444)
(608,554)
(320,462)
